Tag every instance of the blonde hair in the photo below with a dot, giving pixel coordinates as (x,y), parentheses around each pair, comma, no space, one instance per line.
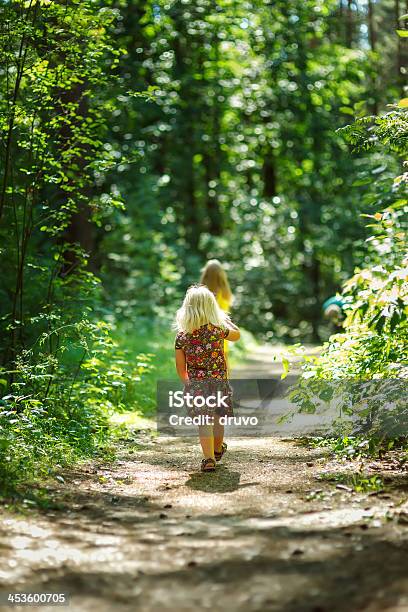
(199,308)
(214,277)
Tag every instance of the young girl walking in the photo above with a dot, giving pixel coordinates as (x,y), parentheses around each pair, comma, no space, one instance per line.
(215,278)
(200,361)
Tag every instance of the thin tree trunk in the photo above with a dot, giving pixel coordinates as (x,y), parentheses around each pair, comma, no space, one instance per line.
(349,24)
(191,217)
(212,173)
(371,26)
(269,175)
(216,213)
(22,52)
(372,34)
(212,158)
(341,21)
(399,46)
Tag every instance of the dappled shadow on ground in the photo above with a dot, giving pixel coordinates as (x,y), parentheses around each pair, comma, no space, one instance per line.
(147,534)
(244,449)
(399,483)
(221,481)
(294,570)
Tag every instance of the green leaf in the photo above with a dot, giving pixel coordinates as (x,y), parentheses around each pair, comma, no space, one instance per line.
(362,181)
(285,365)
(402,33)
(347,110)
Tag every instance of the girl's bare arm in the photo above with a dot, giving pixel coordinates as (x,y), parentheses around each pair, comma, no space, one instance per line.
(234,333)
(181,364)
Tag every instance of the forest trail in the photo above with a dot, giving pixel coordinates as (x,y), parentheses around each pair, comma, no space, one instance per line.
(267,531)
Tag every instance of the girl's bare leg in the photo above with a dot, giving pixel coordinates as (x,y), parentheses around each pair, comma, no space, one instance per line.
(218,434)
(207,440)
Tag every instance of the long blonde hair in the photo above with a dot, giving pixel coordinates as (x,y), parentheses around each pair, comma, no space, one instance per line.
(199,308)
(214,277)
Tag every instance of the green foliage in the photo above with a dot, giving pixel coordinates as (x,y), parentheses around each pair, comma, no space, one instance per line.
(353,447)
(61,374)
(360,483)
(374,344)
(58,406)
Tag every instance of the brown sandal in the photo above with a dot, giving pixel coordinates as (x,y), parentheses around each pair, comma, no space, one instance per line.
(208,465)
(218,456)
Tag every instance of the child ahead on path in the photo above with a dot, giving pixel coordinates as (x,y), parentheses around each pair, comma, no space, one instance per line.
(200,361)
(215,278)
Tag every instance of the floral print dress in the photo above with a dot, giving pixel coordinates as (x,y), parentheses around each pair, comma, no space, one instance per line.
(206,367)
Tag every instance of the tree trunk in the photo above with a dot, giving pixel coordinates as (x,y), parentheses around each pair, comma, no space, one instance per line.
(269,175)
(371,26)
(400,62)
(349,24)
(340,29)
(191,219)
(213,157)
(373,44)
(212,173)
(80,230)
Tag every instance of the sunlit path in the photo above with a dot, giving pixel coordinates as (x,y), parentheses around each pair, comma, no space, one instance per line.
(267,531)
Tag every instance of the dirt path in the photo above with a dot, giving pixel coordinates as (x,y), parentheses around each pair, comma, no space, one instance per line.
(267,531)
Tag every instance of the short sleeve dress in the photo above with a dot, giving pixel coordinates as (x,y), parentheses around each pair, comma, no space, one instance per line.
(206,367)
